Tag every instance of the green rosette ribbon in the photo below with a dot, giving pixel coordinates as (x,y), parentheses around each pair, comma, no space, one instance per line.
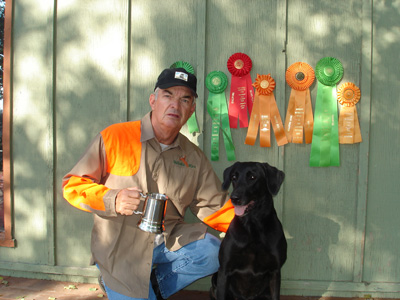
(192,121)
(325,139)
(183,64)
(216,83)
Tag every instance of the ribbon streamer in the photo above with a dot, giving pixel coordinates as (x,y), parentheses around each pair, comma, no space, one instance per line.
(325,139)
(349,128)
(299,77)
(241,92)
(192,121)
(265,111)
(216,83)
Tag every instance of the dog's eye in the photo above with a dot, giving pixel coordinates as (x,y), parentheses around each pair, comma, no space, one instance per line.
(252,177)
(233,177)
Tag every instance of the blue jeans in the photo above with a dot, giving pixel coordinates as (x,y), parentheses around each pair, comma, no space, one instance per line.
(176,270)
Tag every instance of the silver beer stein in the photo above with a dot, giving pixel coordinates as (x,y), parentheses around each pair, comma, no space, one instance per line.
(154,208)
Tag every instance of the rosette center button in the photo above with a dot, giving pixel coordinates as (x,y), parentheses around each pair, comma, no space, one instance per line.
(239,64)
(300,76)
(349,95)
(264,84)
(216,81)
(329,71)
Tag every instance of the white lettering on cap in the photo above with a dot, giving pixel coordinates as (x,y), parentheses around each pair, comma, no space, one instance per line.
(181,76)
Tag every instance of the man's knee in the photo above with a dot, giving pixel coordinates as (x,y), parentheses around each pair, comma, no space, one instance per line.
(212,249)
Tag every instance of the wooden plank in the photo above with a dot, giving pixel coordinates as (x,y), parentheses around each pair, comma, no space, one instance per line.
(32,132)
(201,20)
(340,288)
(320,203)
(124,14)
(82,275)
(49,12)
(161,34)
(247,27)
(6,267)
(381,260)
(365,119)
(92,93)
(280,91)
(7,240)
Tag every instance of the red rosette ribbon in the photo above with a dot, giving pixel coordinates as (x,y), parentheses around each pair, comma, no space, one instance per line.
(241,92)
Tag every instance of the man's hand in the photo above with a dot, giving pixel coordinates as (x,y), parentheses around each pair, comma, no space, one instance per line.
(127,201)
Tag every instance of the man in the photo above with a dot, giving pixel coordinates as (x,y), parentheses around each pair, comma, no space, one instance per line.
(149,156)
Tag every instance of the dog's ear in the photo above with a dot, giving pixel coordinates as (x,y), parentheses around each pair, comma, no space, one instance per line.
(227,177)
(274,178)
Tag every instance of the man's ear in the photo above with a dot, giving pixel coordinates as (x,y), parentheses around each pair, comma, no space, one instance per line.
(193,108)
(152,100)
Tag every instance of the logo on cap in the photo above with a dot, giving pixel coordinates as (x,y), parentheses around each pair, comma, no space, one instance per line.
(181,76)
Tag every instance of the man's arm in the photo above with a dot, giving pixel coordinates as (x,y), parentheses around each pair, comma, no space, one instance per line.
(82,186)
(211,203)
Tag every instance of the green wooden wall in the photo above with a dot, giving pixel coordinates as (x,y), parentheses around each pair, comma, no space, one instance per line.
(79,66)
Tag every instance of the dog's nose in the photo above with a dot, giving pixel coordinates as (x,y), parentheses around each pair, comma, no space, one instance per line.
(234,198)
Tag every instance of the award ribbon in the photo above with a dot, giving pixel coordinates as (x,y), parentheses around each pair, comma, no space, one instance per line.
(265,111)
(325,139)
(192,121)
(241,92)
(216,83)
(349,128)
(299,77)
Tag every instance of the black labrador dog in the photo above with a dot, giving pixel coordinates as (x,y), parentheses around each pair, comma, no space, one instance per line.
(254,248)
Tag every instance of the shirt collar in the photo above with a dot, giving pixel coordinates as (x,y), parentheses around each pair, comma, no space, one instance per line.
(147,132)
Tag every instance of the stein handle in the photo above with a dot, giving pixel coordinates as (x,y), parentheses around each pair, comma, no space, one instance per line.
(136,212)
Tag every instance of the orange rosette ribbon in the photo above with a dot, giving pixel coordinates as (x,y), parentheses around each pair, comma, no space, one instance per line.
(241,92)
(299,115)
(349,128)
(265,111)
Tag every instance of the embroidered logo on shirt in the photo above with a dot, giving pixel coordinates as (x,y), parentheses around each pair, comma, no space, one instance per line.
(183,159)
(181,76)
(182,162)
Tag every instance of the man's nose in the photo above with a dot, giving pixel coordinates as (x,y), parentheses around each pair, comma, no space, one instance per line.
(176,101)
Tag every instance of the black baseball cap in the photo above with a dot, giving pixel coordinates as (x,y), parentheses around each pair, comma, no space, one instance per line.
(177,76)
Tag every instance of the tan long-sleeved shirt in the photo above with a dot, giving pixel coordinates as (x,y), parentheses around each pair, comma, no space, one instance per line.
(128,155)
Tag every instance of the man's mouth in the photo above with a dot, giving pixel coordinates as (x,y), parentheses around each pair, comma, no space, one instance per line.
(173,115)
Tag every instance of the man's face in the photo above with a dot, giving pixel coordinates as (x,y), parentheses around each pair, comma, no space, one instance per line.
(173,106)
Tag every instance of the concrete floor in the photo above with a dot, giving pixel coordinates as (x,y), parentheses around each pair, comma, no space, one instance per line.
(12,288)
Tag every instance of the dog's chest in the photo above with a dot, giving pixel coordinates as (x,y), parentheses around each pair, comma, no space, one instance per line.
(249,269)
(246,250)
(254,257)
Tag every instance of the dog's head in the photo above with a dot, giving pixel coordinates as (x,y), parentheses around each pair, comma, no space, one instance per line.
(251,181)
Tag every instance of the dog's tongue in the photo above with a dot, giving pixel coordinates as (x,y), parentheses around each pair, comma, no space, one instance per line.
(239,210)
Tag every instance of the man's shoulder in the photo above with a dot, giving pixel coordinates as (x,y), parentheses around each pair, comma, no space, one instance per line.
(127,130)
(187,144)
(122,147)
(123,126)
